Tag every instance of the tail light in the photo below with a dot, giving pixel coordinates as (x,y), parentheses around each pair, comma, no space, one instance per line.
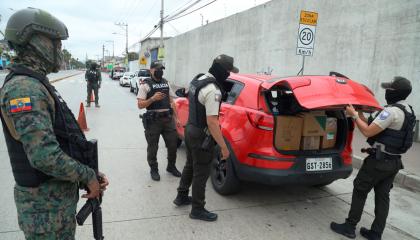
(261,120)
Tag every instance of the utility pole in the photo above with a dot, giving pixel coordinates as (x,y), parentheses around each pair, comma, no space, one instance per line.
(103,57)
(161,26)
(126,36)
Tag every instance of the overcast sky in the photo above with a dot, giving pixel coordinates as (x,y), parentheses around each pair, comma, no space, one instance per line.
(92,23)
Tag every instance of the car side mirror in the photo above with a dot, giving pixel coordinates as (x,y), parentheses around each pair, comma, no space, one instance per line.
(181,92)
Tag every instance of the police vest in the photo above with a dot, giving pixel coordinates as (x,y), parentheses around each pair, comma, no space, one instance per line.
(197,111)
(158,86)
(92,75)
(397,141)
(70,137)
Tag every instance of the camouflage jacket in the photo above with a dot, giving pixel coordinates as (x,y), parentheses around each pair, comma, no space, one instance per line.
(49,206)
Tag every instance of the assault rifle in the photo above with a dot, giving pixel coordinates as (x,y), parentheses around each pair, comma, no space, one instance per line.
(93,205)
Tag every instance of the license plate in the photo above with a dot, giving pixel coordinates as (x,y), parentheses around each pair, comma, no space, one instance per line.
(318,164)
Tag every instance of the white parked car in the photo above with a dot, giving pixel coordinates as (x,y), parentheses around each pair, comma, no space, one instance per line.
(138,76)
(126,78)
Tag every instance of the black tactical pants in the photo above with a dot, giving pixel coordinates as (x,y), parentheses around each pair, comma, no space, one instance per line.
(161,126)
(95,88)
(197,167)
(379,175)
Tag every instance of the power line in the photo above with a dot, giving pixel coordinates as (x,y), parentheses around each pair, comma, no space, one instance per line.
(191,11)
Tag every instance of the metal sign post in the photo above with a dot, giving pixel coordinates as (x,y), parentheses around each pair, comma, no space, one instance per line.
(306,36)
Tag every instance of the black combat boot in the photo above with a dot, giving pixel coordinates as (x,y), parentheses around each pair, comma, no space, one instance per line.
(154,173)
(182,199)
(88,104)
(345,229)
(203,214)
(369,234)
(97,105)
(172,169)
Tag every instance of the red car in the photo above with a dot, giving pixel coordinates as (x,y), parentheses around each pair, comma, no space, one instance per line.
(248,122)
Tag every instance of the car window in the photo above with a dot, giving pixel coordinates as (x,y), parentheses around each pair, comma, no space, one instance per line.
(234,92)
(144,73)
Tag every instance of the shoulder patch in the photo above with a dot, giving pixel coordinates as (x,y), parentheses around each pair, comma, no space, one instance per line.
(20,105)
(384,115)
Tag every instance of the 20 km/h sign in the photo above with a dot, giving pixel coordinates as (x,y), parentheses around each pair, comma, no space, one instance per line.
(306,33)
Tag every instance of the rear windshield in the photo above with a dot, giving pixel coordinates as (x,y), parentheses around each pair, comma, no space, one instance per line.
(144,73)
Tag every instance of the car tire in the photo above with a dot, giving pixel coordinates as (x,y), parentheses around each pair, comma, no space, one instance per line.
(131,88)
(136,90)
(223,178)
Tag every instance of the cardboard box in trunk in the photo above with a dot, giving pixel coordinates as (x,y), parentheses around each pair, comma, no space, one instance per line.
(310,142)
(330,134)
(314,123)
(288,132)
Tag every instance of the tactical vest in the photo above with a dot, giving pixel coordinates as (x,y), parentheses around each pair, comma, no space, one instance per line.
(158,86)
(70,137)
(397,141)
(197,111)
(92,75)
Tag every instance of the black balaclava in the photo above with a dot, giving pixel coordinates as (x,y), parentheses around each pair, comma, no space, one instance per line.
(393,96)
(158,74)
(220,73)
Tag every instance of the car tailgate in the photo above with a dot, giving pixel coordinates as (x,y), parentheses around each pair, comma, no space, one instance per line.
(320,92)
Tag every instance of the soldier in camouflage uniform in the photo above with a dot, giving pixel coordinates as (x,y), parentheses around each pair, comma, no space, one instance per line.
(40,130)
(93,78)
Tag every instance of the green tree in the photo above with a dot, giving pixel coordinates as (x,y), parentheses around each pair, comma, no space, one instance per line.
(133,56)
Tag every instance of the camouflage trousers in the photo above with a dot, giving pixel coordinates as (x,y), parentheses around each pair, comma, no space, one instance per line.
(67,233)
(95,88)
(47,212)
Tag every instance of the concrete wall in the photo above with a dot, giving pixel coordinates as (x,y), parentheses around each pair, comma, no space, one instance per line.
(369,41)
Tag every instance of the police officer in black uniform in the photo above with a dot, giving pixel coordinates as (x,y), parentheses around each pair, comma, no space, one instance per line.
(390,134)
(159,119)
(202,133)
(93,78)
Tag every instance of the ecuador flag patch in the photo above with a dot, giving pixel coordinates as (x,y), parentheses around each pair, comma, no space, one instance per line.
(20,105)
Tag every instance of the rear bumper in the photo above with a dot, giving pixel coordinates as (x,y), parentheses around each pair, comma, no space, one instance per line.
(296,175)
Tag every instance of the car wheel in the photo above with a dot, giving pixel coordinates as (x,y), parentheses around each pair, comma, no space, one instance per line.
(223,176)
(136,90)
(131,88)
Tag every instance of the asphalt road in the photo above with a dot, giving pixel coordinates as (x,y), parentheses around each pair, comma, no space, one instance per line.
(135,207)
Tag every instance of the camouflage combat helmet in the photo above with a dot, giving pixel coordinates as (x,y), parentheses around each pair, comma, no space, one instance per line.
(26,22)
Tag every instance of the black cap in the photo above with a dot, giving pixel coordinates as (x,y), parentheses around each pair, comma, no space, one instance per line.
(157,64)
(226,62)
(399,83)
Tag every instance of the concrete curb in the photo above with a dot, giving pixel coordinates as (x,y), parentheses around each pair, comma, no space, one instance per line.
(59,79)
(404,179)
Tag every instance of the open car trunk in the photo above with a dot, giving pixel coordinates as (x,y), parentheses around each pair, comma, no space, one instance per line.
(309,115)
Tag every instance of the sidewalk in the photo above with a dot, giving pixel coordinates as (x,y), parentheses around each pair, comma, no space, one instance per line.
(409,177)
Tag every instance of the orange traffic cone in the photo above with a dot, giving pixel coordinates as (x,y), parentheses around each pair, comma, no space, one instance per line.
(92,98)
(82,118)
